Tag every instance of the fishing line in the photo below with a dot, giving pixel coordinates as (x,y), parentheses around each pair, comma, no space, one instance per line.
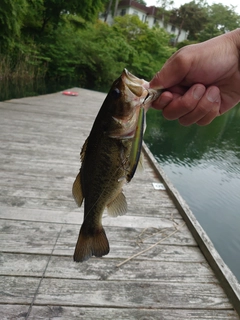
(43,275)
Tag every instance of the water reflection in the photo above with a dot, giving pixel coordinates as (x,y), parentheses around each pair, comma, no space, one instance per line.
(19,88)
(204,165)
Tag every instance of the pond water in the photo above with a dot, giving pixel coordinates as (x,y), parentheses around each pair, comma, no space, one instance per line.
(202,162)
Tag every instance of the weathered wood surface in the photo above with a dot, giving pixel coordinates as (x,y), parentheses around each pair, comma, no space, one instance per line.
(65,312)
(40,141)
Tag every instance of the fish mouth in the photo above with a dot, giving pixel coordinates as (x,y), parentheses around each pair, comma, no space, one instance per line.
(140,88)
(137,86)
(138,95)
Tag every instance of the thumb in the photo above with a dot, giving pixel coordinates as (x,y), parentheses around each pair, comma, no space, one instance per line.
(172,73)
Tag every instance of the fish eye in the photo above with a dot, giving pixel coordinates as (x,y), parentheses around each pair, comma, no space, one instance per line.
(116,93)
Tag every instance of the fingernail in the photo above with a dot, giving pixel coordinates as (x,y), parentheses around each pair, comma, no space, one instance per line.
(198,92)
(213,95)
(159,105)
(162,104)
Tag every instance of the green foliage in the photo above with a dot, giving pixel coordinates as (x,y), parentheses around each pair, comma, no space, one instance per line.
(142,2)
(97,54)
(203,21)
(24,61)
(223,17)
(52,37)
(63,38)
(221,20)
(150,46)
(184,43)
(191,16)
(11,14)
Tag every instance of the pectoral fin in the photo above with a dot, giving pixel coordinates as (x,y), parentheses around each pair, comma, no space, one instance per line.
(118,206)
(77,191)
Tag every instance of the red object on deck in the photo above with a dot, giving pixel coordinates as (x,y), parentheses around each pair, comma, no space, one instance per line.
(70,93)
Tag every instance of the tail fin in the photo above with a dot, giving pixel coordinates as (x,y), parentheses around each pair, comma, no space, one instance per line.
(91,245)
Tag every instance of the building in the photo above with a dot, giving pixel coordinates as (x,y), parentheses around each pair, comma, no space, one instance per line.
(145,14)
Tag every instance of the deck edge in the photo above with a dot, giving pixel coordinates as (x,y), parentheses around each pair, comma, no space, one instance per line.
(227,279)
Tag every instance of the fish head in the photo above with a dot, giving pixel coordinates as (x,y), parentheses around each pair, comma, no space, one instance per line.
(127,95)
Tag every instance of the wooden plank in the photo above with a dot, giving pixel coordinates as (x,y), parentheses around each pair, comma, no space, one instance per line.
(46,139)
(38,116)
(224,274)
(124,250)
(17,290)
(33,265)
(11,180)
(131,294)
(13,264)
(144,270)
(15,233)
(155,206)
(10,311)
(87,98)
(59,312)
(75,216)
(38,238)
(34,203)
(65,313)
(21,237)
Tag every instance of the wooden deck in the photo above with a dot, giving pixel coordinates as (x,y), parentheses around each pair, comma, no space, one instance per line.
(40,141)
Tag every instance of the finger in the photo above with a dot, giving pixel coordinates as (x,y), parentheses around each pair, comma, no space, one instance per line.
(206,110)
(182,105)
(208,118)
(163,100)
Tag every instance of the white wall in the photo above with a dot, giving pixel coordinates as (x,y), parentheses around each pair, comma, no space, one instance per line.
(150,20)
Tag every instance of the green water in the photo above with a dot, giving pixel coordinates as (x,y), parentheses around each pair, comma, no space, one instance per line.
(23,88)
(202,162)
(204,165)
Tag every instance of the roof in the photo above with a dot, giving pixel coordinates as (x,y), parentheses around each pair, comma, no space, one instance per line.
(134,4)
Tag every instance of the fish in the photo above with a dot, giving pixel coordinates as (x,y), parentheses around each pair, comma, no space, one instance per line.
(109,157)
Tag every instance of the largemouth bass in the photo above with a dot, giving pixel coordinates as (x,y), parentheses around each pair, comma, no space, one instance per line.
(109,157)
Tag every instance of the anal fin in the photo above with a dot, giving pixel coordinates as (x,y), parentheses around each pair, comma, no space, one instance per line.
(118,206)
(77,191)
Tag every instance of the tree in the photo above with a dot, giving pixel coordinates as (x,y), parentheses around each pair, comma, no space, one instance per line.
(221,20)
(51,11)
(150,46)
(163,9)
(11,19)
(142,2)
(192,17)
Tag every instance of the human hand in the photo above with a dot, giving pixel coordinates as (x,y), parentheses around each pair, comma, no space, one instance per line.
(202,80)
